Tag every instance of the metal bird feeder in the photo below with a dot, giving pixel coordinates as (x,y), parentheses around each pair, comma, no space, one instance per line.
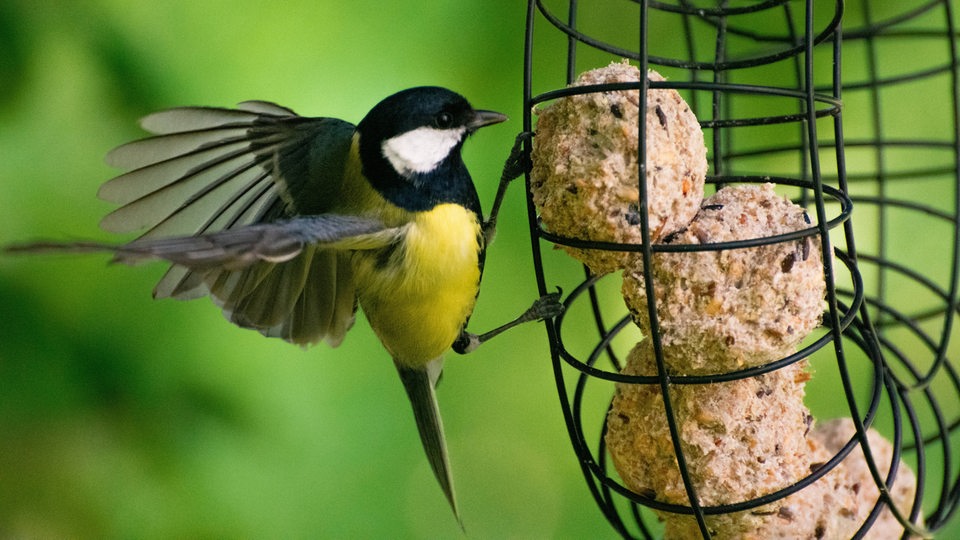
(822,99)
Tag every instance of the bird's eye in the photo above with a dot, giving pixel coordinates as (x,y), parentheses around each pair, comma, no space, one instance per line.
(443,120)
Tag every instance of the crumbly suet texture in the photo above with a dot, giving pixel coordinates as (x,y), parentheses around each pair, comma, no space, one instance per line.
(720,311)
(585,172)
(833,434)
(824,510)
(741,439)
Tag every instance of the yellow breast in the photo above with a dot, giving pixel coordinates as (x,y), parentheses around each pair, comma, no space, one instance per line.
(418,295)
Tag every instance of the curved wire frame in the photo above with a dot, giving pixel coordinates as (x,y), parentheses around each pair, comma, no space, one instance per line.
(784,65)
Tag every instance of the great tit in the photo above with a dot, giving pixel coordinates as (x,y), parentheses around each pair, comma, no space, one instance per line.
(289,223)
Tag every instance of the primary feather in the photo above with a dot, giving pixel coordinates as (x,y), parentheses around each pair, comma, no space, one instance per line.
(210,170)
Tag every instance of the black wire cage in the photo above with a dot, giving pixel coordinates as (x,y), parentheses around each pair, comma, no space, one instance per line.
(851,110)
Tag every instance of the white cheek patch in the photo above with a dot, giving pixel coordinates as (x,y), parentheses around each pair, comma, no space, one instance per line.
(420,150)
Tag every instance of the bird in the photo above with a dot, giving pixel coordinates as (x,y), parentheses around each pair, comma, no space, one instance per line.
(290,224)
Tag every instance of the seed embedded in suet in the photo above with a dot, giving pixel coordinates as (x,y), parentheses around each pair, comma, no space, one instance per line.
(734,308)
(585,172)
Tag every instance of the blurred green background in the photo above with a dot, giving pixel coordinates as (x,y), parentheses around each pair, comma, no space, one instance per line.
(123,417)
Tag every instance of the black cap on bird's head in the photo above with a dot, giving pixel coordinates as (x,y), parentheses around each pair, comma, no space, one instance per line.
(417,129)
(424,106)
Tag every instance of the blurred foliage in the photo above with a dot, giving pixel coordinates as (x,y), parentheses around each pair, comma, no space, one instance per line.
(121,417)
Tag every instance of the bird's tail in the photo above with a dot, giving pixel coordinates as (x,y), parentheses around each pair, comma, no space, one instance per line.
(421,385)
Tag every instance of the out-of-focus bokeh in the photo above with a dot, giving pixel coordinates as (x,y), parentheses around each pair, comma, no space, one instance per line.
(125,417)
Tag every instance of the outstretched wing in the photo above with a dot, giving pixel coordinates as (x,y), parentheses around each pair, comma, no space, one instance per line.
(211,170)
(275,242)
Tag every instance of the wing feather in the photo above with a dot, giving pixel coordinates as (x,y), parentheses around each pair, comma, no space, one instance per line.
(249,195)
(183,283)
(345,302)
(313,311)
(194,182)
(156,177)
(180,119)
(265,107)
(271,242)
(272,300)
(152,150)
(218,192)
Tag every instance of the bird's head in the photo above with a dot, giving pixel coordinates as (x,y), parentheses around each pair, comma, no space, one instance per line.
(418,129)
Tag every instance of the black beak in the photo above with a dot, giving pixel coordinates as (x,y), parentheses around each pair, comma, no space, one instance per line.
(485,118)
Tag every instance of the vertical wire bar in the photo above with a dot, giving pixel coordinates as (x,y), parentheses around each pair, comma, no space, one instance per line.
(804,172)
(951,35)
(816,176)
(877,131)
(571,77)
(869,334)
(833,309)
(949,314)
(573,428)
(535,241)
(528,127)
(721,137)
(605,494)
(868,331)
(662,375)
(832,301)
(572,43)
(921,473)
(694,74)
(949,504)
(884,499)
(952,502)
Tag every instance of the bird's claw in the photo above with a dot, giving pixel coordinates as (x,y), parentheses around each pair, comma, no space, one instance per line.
(547,306)
(518,162)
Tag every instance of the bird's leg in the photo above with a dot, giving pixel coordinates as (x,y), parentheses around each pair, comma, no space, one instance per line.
(517,163)
(547,306)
